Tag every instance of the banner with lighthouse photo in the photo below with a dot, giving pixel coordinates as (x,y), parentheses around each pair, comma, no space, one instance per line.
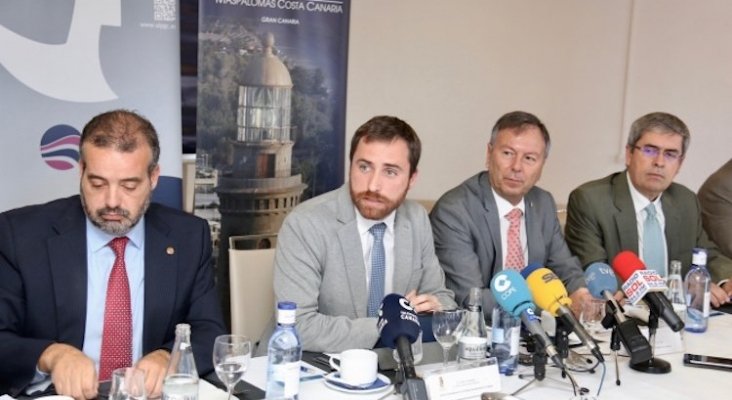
(271,114)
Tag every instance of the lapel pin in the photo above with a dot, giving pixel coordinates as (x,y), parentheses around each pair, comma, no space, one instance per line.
(170,250)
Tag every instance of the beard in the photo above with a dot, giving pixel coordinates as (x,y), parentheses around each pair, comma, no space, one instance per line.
(115,228)
(375,213)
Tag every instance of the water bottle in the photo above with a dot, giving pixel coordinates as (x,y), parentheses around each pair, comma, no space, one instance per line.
(284,354)
(696,286)
(505,335)
(473,342)
(181,377)
(675,291)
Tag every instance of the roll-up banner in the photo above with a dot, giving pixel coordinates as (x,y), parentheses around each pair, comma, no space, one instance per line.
(61,63)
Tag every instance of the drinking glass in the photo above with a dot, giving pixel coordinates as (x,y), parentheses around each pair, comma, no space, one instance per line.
(591,317)
(231,355)
(128,384)
(446,328)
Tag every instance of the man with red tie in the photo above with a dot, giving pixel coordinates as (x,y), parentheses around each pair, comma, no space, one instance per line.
(98,281)
(499,219)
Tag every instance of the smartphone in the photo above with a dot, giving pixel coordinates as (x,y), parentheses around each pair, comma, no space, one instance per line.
(697,360)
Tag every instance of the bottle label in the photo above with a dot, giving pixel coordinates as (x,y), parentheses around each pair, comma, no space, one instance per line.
(498,336)
(706,304)
(473,347)
(515,333)
(288,375)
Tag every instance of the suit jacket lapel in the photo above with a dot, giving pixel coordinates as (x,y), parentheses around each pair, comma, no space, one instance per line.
(402,252)
(533,230)
(68,266)
(353,263)
(673,224)
(492,221)
(625,220)
(161,275)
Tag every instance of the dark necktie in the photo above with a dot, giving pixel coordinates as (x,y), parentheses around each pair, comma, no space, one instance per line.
(117,334)
(378,269)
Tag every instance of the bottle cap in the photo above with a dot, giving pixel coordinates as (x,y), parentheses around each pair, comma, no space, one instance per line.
(699,256)
(286,311)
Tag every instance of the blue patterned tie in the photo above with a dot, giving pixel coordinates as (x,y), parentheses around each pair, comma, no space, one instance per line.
(653,242)
(378,268)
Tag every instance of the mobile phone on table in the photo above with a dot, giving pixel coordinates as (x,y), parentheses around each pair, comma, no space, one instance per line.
(698,360)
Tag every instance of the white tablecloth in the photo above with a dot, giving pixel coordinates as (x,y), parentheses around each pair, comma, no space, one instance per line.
(682,383)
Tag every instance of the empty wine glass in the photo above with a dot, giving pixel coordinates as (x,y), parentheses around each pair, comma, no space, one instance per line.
(446,327)
(231,355)
(128,384)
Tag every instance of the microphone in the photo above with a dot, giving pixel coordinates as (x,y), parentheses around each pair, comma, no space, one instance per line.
(641,283)
(551,295)
(602,284)
(399,328)
(512,294)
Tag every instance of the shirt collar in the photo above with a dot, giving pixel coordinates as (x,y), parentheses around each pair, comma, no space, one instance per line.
(97,239)
(639,201)
(504,206)
(364,224)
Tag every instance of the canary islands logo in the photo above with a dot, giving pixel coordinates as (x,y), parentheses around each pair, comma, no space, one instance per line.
(60,147)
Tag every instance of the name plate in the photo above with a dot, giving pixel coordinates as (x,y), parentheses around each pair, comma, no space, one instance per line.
(463,381)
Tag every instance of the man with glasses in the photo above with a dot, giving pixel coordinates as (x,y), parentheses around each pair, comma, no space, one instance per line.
(641,209)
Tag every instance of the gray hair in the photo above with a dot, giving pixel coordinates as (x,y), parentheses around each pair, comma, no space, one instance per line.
(660,122)
(521,120)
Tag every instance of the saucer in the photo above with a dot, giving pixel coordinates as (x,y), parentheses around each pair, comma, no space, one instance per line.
(333,381)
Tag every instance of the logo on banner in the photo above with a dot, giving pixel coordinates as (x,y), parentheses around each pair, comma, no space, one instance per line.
(60,147)
(70,71)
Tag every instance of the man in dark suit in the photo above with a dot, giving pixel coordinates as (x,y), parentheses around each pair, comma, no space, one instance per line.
(609,215)
(57,264)
(473,234)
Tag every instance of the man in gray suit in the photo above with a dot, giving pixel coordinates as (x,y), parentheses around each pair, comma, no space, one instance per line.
(324,262)
(607,216)
(473,234)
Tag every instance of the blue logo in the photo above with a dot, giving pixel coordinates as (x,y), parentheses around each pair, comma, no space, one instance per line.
(60,147)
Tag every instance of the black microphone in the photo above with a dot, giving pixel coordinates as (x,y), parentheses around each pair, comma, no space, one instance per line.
(399,328)
(601,283)
(638,280)
(512,294)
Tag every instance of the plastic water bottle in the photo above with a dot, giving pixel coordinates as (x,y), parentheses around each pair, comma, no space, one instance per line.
(473,342)
(284,352)
(675,291)
(696,286)
(181,377)
(505,335)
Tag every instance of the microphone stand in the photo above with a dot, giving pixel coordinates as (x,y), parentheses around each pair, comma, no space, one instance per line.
(609,322)
(654,365)
(561,341)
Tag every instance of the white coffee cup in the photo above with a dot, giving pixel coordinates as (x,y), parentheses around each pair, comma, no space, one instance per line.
(357,367)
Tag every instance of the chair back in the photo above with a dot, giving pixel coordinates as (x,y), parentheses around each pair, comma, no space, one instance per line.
(252,294)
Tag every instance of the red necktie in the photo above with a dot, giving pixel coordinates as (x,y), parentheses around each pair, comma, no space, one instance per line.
(515,255)
(117,334)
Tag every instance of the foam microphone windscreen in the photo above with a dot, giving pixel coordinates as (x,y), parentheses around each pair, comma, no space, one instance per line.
(511,293)
(600,277)
(396,319)
(625,263)
(549,292)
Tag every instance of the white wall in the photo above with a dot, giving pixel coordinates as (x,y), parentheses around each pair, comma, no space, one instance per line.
(586,68)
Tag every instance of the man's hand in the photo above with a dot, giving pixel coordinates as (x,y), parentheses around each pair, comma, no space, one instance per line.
(580,297)
(423,302)
(72,372)
(719,295)
(154,365)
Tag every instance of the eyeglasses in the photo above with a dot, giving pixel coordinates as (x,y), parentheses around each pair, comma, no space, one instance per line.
(653,151)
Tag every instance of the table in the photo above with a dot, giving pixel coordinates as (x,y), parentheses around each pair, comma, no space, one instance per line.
(681,383)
